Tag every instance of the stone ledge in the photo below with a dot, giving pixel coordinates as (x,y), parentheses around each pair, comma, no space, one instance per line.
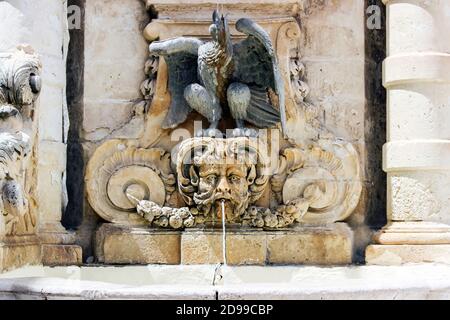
(61,255)
(205,247)
(423,281)
(389,255)
(125,245)
(322,246)
(195,8)
(325,245)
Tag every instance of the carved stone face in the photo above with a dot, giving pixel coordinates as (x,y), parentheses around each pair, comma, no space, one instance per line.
(224,183)
(214,171)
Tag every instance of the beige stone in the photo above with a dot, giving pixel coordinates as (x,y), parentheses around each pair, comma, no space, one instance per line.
(19,90)
(61,255)
(203,8)
(19,252)
(416,232)
(43,24)
(331,245)
(205,247)
(401,254)
(125,245)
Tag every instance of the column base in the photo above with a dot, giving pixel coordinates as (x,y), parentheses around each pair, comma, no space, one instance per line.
(388,255)
(58,248)
(410,242)
(18,251)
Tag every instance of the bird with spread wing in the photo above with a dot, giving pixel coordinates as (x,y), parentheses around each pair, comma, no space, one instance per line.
(209,76)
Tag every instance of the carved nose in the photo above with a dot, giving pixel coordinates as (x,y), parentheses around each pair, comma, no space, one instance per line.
(223,185)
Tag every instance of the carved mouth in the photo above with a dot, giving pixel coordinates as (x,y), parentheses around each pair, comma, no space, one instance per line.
(222,197)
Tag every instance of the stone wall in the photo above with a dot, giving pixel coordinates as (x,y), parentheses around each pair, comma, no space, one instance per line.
(104,81)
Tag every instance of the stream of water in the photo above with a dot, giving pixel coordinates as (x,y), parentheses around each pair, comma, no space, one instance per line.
(224,236)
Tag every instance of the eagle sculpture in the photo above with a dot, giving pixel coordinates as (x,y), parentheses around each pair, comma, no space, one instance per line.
(210,76)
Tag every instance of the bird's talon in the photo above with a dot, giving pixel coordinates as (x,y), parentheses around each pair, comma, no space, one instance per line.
(209,133)
(244,132)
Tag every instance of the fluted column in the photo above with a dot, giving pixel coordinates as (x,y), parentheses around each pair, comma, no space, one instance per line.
(417,154)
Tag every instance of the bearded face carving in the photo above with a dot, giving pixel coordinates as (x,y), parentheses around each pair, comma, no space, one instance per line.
(224,183)
(216,171)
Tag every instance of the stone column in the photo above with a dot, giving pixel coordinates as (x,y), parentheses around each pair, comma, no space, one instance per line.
(43,24)
(417,153)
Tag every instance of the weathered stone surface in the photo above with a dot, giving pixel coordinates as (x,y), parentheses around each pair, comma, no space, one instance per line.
(205,247)
(416,154)
(318,245)
(112,75)
(61,255)
(126,245)
(406,282)
(401,254)
(331,245)
(19,252)
(413,232)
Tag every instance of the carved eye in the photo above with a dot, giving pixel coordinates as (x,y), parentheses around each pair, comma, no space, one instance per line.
(35,83)
(234,178)
(211,178)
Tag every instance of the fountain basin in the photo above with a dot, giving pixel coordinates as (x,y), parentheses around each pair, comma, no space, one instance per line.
(205,282)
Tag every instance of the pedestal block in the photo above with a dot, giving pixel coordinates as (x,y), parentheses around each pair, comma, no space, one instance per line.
(325,245)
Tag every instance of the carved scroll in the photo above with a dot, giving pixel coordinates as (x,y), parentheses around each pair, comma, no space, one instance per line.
(118,175)
(325,178)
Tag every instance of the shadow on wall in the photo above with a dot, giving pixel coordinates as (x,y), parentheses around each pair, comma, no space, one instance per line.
(73,214)
(375,115)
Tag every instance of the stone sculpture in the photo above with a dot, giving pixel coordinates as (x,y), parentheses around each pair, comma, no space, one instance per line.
(314,179)
(208,76)
(19,87)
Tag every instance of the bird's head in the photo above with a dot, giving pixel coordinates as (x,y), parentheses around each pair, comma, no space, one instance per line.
(219,29)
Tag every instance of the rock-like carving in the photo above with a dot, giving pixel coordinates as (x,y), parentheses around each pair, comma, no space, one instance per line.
(209,76)
(20,85)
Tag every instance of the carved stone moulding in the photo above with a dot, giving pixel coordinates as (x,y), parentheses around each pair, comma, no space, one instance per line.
(317,185)
(191,9)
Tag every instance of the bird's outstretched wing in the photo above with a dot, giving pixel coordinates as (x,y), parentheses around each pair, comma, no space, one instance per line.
(256,65)
(181,56)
